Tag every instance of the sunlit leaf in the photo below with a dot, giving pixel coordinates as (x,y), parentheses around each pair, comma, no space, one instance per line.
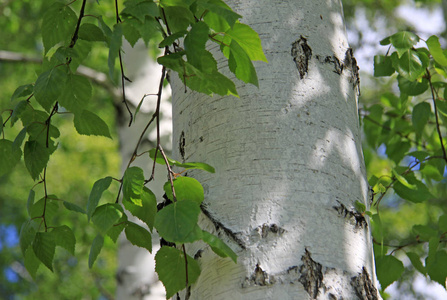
(186,188)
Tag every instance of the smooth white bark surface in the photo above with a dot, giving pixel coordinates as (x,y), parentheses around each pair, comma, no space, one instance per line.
(288,161)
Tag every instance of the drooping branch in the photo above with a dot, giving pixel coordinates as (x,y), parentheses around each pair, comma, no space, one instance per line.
(96,77)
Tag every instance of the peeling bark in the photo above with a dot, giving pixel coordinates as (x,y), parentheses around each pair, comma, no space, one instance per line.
(364,287)
(311,275)
(301,54)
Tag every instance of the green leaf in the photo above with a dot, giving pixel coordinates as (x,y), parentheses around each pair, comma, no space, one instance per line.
(177,222)
(64,237)
(183,3)
(402,180)
(30,201)
(411,64)
(416,262)
(49,206)
(186,188)
(10,155)
(404,40)
(169,40)
(218,11)
(424,232)
(44,248)
(138,236)
(419,155)
(27,234)
(36,158)
(146,209)
(359,206)
(115,42)
(115,231)
(443,223)
(412,88)
(140,9)
(420,116)
(171,270)
(58,25)
(133,182)
(160,160)
(77,93)
(95,195)
(22,91)
(88,123)
(418,195)
(49,86)
(31,262)
(389,269)
(218,246)
(195,48)
(91,32)
(241,65)
(105,216)
(179,18)
(436,51)
(437,268)
(196,166)
(248,39)
(73,207)
(97,244)
(382,66)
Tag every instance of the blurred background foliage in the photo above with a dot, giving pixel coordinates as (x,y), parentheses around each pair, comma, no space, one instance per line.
(81,160)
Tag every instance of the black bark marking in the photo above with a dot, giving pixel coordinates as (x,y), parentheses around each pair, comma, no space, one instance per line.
(181,145)
(333,60)
(218,225)
(363,286)
(273,228)
(301,54)
(311,275)
(198,254)
(259,278)
(350,63)
(360,221)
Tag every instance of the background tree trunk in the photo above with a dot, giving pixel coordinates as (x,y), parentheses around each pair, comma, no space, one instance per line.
(136,276)
(289,165)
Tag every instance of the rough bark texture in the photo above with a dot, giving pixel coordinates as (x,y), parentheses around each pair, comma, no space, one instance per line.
(288,161)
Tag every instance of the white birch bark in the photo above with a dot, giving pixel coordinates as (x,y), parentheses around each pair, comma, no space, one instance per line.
(288,161)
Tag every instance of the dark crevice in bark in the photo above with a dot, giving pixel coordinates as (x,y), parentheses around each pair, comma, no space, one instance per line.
(363,286)
(360,221)
(259,277)
(218,225)
(181,145)
(349,63)
(301,54)
(267,229)
(311,275)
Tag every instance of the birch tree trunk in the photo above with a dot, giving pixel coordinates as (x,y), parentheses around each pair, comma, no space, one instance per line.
(289,164)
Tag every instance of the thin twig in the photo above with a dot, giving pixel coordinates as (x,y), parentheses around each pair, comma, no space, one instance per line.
(436,116)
